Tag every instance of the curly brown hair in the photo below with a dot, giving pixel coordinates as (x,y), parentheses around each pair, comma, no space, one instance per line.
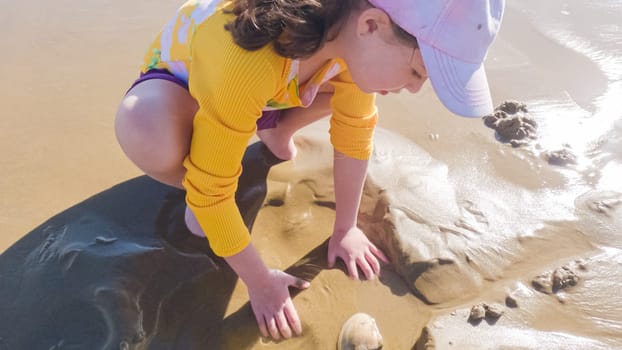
(296,28)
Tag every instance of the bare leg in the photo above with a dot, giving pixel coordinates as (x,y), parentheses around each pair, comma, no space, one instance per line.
(279,139)
(154,128)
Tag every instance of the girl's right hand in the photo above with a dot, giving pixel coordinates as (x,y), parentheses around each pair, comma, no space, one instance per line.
(273,307)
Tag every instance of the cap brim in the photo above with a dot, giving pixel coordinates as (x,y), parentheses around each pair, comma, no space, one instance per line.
(461,86)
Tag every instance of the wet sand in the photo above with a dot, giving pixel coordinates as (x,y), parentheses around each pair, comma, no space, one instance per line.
(509,214)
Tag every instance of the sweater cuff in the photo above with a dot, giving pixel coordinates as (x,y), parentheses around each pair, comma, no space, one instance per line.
(223,226)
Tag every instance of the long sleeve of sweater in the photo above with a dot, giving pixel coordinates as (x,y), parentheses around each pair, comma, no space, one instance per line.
(231,87)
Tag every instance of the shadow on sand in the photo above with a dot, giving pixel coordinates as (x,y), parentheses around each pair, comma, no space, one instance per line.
(121,271)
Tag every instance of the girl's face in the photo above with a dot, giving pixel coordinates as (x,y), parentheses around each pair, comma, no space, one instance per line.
(378,61)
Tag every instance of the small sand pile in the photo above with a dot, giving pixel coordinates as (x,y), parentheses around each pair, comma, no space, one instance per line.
(561,157)
(564,277)
(512,123)
(480,311)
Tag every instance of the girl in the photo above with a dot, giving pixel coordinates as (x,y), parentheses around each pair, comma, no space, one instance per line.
(221,71)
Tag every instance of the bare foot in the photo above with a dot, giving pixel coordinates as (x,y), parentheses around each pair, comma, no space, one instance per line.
(281,146)
(193,224)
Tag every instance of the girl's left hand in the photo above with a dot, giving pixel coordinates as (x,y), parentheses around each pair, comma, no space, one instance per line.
(355,249)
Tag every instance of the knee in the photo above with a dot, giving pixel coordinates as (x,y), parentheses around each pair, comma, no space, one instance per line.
(153,144)
(130,127)
(123,121)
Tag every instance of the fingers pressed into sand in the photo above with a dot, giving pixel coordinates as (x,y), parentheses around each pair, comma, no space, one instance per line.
(332,258)
(365,267)
(272,328)
(379,254)
(352,270)
(300,283)
(292,317)
(373,262)
(283,325)
(261,322)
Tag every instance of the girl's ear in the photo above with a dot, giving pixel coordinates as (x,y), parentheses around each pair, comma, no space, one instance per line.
(371,20)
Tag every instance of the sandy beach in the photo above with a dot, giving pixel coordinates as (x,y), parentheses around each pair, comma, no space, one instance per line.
(530,228)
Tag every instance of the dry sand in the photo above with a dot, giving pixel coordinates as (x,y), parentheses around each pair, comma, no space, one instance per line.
(65,66)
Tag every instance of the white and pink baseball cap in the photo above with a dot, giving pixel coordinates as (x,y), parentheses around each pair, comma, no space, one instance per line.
(454,37)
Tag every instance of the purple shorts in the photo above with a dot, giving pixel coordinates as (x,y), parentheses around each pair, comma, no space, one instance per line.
(268,119)
(159,74)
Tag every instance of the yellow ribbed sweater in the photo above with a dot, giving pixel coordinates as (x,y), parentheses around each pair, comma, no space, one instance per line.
(232,87)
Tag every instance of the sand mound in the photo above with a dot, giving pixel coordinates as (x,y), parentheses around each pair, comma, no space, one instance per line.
(512,122)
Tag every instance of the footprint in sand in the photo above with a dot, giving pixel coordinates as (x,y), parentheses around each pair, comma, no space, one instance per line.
(360,332)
